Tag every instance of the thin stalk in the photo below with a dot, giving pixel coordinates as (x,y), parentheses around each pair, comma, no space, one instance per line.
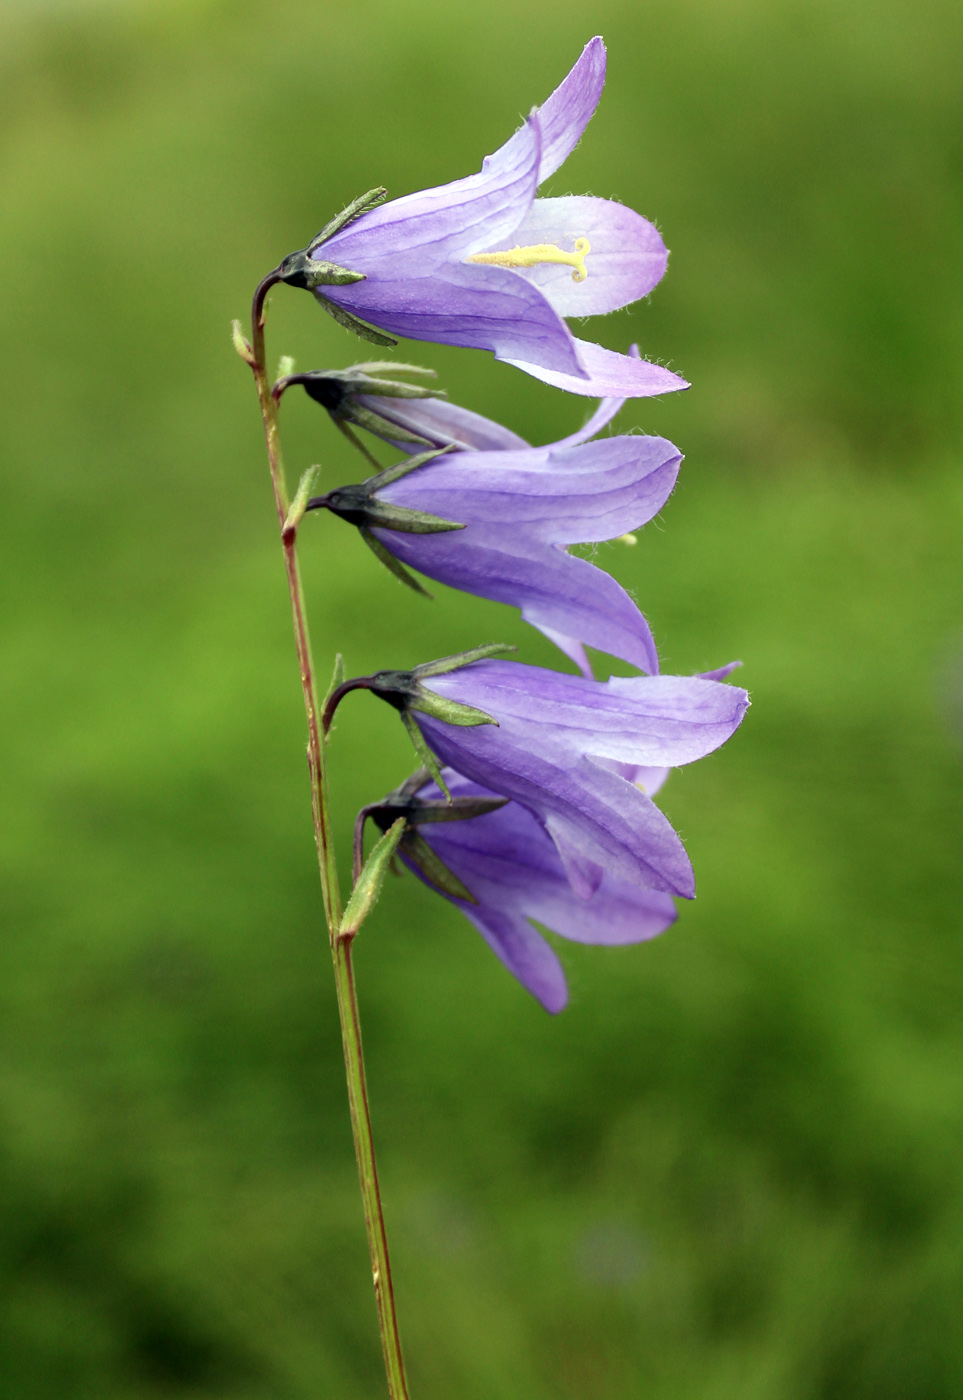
(340,946)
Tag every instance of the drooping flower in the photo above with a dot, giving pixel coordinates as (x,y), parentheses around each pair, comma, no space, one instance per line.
(558,744)
(481,262)
(407,415)
(501,869)
(499,528)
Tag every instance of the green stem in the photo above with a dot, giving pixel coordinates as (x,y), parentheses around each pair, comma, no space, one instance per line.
(340,945)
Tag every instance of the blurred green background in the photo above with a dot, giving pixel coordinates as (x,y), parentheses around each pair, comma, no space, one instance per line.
(732,1167)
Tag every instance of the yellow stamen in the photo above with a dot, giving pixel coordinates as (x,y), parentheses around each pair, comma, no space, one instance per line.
(627,539)
(539,253)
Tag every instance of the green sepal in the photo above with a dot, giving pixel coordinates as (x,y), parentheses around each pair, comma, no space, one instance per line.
(406,521)
(381,427)
(351,323)
(404,467)
(462,658)
(365,894)
(424,752)
(371,367)
(362,205)
(433,868)
(390,562)
(448,711)
(460,809)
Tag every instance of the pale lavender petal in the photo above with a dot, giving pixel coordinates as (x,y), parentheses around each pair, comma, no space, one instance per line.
(470,305)
(555,591)
(508,861)
(650,780)
(566,114)
(524,952)
(448,221)
(608,375)
(572,647)
(627,257)
(444,423)
(595,817)
(593,492)
(602,416)
(656,721)
(720,673)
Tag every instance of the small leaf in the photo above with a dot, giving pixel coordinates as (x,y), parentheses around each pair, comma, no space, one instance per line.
(424,752)
(433,868)
(337,677)
(300,503)
(390,562)
(241,344)
(365,894)
(285,366)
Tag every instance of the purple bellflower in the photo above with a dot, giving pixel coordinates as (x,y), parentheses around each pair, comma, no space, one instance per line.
(497,864)
(498,526)
(481,262)
(561,745)
(407,415)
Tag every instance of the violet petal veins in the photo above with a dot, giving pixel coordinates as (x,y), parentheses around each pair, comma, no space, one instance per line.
(482,262)
(509,864)
(519,511)
(558,745)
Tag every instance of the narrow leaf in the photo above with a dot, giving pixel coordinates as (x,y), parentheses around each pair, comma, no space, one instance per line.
(407,521)
(301,497)
(433,868)
(337,676)
(390,562)
(241,344)
(362,205)
(394,367)
(449,711)
(463,658)
(460,809)
(365,894)
(402,468)
(424,752)
(351,323)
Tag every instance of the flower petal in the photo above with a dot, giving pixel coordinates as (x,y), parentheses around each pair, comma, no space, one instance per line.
(592,492)
(442,422)
(608,374)
(523,950)
(656,721)
(470,305)
(627,257)
(566,114)
(594,817)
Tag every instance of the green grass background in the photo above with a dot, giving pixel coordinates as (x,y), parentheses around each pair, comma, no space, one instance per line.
(732,1167)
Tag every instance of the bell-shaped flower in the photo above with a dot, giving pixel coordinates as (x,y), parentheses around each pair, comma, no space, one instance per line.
(495,862)
(414,415)
(558,744)
(481,262)
(498,524)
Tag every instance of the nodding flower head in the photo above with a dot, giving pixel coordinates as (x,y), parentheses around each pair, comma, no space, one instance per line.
(570,751)
(482,262)
(499,524)
(496,863)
